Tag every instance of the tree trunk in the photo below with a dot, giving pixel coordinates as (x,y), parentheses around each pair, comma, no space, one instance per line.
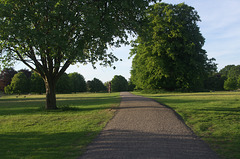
(50,94)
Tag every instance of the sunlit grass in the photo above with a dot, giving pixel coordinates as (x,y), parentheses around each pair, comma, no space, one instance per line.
(215,117)
(29,131)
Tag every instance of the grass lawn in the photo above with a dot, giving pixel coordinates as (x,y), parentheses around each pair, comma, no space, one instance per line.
(28,131)
(215,117)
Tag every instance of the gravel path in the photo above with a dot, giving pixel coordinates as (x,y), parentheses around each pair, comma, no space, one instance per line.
(144,129)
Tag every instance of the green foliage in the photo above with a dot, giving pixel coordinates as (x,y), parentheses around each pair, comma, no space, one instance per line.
(131,85)
(225,71)
(77,82)
(37,83)
(8,90)
(168,51)
(119,84)
(63,84)
(232,74)
(238,82)
(49,36)
(230,84)
(19,84)
(96,86)
(215,82)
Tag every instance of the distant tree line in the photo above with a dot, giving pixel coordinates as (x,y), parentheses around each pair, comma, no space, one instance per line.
(228,78)
(231,74)
(25,81)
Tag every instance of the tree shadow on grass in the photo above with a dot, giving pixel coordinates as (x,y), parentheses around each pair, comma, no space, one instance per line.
(41,145)
(37,106)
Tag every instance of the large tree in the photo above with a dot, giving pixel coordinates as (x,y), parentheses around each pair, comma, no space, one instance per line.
(168,51)
(50,35)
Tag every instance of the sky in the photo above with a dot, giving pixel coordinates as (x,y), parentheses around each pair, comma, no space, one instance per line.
(220,26)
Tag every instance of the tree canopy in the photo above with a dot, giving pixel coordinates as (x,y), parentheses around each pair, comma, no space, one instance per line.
(119,83)
(96,85)
(225,71)
(49,36)
(77,82)
(232,75)
(37,84)
(168,51)
(63,84)
(19,84)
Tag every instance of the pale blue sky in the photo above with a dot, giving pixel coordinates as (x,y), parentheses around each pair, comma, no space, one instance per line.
(220,26)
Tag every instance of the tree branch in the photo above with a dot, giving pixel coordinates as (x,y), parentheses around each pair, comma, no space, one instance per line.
(64,68)
(39,67)
(21,58)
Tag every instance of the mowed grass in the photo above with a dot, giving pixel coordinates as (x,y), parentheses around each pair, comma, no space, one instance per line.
(28,131)
(215,117)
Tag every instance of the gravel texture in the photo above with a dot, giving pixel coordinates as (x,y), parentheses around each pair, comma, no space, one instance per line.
(145,129)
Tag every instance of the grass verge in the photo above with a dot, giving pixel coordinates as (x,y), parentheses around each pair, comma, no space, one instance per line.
(215,117)
(28,131)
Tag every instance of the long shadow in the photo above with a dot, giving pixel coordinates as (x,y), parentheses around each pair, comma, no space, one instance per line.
(221,109)
(40,145)
(142,145)
(195,94)
(36,105)
(135,98)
